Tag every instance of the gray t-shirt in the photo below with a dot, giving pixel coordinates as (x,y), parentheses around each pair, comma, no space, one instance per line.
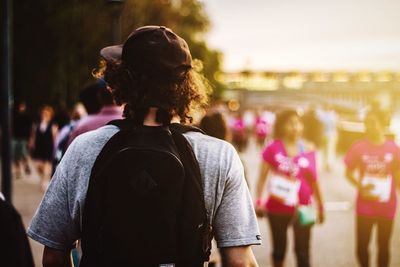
(58,220)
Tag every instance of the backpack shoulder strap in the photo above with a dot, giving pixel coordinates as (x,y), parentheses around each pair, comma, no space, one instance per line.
(188,158)
(110,148)
(192,170)
(122,124)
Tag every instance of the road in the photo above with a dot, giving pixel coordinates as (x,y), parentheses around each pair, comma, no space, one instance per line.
(332,242)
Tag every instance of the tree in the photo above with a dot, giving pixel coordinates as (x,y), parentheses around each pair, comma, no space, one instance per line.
(56,42)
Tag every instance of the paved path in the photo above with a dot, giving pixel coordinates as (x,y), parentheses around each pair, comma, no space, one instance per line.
(332,242)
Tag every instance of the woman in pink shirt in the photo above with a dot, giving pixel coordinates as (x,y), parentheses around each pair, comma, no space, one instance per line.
(289,163)
(372,167)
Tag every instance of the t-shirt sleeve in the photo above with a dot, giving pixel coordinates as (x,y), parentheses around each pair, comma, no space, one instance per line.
(352,157)
(235,222)
(268,153)
(53,225)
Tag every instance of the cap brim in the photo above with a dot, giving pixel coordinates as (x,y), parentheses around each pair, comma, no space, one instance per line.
(112,53)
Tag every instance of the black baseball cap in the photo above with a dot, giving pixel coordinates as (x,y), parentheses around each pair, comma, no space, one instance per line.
(151,49)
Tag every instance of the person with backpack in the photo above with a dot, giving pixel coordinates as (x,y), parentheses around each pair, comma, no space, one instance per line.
(146,191)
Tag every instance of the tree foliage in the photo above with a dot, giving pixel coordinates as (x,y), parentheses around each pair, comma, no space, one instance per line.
(56,42)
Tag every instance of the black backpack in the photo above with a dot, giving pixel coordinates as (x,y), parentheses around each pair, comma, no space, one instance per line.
(145,204)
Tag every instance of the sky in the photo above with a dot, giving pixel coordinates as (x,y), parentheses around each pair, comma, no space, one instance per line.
(306,35)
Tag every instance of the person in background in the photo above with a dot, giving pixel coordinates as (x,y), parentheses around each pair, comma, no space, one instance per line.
(108,112)
(214,124)
(290,162)
(239,132)
(41,144)
(14,246)
(89,96)
(329,120)
(372,166)
(61,142)
(313,128)
(61,116)
(22,126)
(261,128)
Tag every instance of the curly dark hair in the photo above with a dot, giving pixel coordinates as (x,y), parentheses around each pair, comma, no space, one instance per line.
(176,93)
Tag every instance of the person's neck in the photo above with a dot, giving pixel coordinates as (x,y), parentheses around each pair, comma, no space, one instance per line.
(376,139)
(292,140)
(150,118)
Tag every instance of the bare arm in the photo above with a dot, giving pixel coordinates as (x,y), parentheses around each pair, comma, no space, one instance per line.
(351,178)
(56,258)
(396,177)
(54,131)
(238,257)
(32,137)
(320,202)
(262,178)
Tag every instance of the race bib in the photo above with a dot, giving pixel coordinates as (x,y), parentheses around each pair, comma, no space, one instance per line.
(382,186)
(284,189)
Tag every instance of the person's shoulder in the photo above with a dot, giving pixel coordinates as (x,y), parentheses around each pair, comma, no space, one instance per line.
(98,134)
(272,144)
(92,139)
(82,123)
(200,140)
(217,152)
(392,144)
(79,126)
(358,145)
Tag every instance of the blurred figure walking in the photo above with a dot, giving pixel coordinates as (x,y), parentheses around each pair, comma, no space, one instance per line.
(22,126)
(329,120)
(372,167)
(41,144)
(313,128)
(239,132)
(261,128)
(289,161)
(61,142)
